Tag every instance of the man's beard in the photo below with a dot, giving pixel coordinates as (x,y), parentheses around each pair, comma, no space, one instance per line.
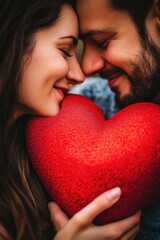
(145,77)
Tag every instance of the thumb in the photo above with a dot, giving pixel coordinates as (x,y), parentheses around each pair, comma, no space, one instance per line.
(58,217)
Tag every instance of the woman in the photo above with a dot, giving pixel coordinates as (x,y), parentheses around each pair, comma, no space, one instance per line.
(37,50)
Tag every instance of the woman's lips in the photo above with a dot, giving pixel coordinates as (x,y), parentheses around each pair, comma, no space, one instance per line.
(62,91)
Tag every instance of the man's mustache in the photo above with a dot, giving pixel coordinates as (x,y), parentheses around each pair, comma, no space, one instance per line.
(108,73)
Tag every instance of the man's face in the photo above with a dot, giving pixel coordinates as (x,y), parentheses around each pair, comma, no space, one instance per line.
(114,49)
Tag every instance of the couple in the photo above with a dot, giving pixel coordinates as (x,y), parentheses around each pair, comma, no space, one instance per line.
(38,62)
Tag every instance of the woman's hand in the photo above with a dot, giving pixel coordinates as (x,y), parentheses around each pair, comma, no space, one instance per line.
(80,226)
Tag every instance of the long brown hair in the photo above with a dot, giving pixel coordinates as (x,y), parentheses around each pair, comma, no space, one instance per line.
(23,201)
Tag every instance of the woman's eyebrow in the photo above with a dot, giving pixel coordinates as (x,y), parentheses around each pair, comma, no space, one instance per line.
(74,39)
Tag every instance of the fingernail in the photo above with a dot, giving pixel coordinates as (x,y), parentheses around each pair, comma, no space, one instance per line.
(113,193)
(50,204)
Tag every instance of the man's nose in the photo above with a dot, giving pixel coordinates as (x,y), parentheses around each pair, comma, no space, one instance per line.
(92,61)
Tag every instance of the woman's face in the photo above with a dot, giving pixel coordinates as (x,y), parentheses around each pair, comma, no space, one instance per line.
(51,68)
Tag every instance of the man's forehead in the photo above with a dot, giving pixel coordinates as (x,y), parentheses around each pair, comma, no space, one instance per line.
(96,32)
(93,17)
(90,3)
(91,7)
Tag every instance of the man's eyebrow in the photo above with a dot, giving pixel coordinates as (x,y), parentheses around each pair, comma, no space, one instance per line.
(92,33)
(75,40)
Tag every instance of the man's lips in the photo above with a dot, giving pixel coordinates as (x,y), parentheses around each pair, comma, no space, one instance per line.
(113,79)
(114,76)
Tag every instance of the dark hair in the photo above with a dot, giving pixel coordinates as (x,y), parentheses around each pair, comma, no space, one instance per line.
(23,201)
(137,9)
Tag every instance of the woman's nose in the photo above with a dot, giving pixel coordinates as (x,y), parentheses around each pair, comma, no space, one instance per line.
(75,74)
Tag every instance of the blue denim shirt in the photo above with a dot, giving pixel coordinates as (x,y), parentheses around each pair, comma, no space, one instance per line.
(98,91)
(150,222)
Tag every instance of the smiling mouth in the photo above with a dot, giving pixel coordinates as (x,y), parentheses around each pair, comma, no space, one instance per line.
(113,79)
(62,91)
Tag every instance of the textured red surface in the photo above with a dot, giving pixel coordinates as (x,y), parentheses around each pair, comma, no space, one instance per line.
(78,155)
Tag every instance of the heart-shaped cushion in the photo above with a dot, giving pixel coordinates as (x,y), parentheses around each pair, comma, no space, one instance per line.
(79,155)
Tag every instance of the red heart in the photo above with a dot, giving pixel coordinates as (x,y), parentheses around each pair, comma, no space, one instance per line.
(78,155)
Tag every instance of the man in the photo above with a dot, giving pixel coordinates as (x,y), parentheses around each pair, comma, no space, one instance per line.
(123,48)
(122,44)
(98,91)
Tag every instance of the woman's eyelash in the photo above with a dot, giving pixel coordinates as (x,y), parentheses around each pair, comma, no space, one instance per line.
(66,53)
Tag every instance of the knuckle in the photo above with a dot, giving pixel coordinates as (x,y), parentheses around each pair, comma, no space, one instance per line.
(137,217)
(77,220)
(138,229)
(113,235)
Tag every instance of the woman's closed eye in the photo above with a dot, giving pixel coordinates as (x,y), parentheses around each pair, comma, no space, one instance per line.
(65,53)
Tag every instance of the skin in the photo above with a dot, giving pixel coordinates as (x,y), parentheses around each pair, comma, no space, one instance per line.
(114,49)
(80,226)
(47,74)
(51,69)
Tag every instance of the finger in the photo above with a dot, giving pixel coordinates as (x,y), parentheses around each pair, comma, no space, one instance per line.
(101,203)
(58,217)
(117,229)
(131,234)
(133,238)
